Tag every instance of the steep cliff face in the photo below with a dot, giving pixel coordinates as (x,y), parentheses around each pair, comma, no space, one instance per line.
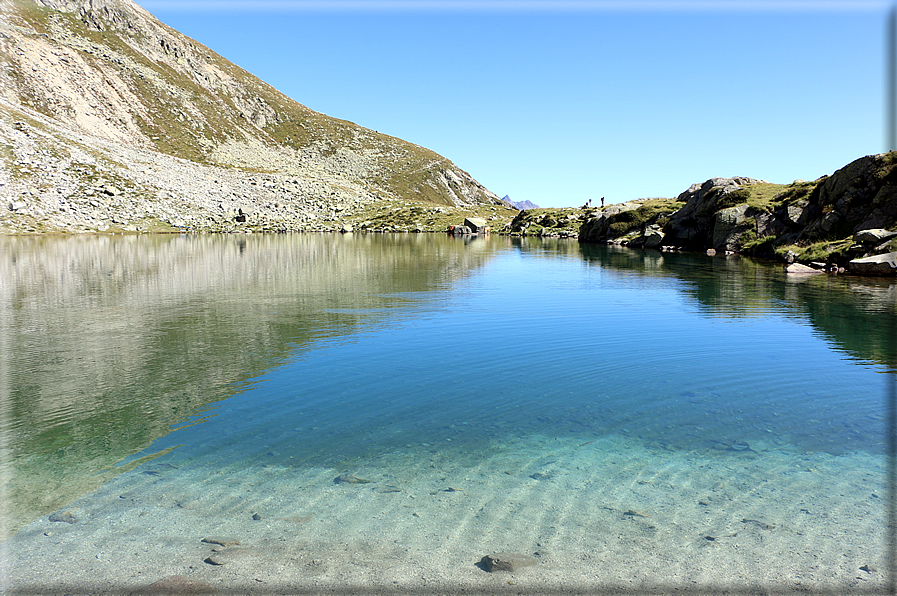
(106,71)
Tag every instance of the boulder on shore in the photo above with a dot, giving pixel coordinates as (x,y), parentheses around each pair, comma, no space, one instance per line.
(885,264)
(799,269)
(873,236)
(477,225)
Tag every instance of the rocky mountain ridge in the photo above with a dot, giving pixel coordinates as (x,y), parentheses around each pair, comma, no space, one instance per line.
(112,121)
(521,205)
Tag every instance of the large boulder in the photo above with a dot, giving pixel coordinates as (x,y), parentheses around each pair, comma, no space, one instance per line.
(799,269)
(885,264)
(598,228)
(874,236)
(696,224)
(477,225)
(653,236)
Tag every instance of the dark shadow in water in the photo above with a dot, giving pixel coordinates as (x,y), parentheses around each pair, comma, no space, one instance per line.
(854,314)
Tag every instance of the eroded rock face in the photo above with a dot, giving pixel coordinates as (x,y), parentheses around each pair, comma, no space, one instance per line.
(861,195)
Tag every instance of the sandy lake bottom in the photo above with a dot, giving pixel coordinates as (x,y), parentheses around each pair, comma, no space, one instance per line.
(608,515)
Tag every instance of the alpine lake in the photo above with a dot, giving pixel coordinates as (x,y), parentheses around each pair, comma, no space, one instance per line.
(376,413)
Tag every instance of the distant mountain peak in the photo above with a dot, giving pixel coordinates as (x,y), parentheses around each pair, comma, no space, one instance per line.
(521,205)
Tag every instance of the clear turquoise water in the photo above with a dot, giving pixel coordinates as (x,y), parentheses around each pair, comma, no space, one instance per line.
(331,352)
(537,342)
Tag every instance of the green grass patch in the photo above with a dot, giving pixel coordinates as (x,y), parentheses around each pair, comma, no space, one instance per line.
(763,246)
(650,211)
(732,199)
(766,196)
(824,252)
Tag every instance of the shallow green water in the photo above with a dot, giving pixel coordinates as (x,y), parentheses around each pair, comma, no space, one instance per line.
(331,352)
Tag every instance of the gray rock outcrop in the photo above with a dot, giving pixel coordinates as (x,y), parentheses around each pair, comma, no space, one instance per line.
(729,225)
(600,227)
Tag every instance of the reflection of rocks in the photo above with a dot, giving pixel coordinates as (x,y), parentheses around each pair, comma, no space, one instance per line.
(847,312)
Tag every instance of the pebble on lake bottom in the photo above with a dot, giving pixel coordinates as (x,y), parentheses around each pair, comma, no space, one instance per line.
(507,561)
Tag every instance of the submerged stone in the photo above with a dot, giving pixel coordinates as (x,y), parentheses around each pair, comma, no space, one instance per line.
(507,562)
(799,269)
(350,479)
(221,541)
(63,516)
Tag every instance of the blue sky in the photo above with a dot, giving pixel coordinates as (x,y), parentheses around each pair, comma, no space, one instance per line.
(559,102)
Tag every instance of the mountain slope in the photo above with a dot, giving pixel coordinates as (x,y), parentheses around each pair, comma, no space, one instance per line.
(105,78)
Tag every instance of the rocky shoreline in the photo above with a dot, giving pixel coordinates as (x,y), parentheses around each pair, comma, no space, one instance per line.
(838,223)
